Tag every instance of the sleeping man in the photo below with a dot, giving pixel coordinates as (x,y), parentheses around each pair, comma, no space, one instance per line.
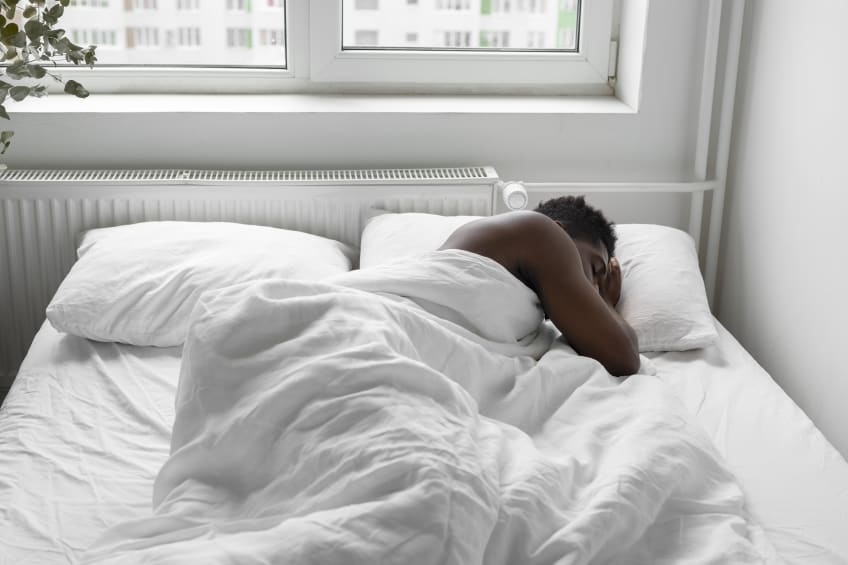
(565,255)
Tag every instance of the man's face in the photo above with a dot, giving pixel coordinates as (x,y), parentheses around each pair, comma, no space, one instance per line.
(595,260)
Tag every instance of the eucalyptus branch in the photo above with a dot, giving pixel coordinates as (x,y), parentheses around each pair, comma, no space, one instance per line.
(27,48)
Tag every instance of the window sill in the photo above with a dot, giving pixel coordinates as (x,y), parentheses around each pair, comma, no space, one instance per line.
(320,104)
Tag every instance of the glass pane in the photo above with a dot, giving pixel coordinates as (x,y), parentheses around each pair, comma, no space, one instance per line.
(243,33)
(513,25)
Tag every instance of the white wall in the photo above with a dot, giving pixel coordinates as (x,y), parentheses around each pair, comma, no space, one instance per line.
(783,286)
(656,143)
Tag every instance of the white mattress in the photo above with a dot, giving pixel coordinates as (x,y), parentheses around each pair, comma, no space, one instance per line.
(83,432)
(795,482)
(85,429)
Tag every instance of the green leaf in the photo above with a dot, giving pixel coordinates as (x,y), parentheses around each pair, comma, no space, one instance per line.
(74,57)
(18,93)
(11,53)
(65,3)
(90,59)
(7,39)
(6,136)
(51,16)
(30,11)
(62,45)
(17,71)
(36,71)
(3,113)
(34,29)
(75,88)
(39,91)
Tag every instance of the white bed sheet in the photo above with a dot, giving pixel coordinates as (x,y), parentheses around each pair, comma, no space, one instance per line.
(83,432)
(86,428)
(795,482)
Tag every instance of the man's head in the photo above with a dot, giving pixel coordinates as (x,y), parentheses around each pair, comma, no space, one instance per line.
(591,231)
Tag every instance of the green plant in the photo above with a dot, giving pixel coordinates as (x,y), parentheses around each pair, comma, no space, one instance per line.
(30,42)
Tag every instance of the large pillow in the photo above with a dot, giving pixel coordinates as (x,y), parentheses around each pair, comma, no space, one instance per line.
(389,236)
(662,293)
(662,297)
(137,283)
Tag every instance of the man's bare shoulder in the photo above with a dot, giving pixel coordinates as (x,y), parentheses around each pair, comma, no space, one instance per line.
(507,238)
(500,229)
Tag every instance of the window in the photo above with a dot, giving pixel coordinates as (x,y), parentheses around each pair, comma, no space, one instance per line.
(453,4)
(240,37)
(238,5)
(188,37)
(455,38)
(271,37)
(536,40)
(208,34)
(489,38)
(560,23)
(137,5)
(103,38)
(365,37)
(142,37)
(553,43)
(91,3)
(435,45)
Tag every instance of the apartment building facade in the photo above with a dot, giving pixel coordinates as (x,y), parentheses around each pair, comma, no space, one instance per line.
(252,32)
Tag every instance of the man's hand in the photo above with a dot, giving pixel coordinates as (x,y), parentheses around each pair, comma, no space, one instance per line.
(610,285)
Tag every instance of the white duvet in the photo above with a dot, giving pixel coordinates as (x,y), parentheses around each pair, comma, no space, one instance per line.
(420,412)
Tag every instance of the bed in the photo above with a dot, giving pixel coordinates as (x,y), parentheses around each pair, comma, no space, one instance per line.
(87,425)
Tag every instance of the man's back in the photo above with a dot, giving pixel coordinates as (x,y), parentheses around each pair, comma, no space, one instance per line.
(577,284)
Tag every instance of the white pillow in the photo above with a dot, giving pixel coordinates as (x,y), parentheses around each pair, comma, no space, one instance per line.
(137,283)
(389,236)
(662,297)
(662,293)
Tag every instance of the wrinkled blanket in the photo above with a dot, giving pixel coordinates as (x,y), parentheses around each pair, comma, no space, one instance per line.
(421,412)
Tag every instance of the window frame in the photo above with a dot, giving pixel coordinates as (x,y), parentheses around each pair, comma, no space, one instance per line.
(317,64)
(586,70)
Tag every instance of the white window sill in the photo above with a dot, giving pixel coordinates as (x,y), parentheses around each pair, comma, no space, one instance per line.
(319,103)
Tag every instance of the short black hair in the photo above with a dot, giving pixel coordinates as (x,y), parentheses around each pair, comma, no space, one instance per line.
(580,220)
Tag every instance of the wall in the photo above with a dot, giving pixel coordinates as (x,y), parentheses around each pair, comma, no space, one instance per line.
(784,274)
(523,142)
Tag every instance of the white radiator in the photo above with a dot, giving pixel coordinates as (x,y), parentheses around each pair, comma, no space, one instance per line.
(43,212)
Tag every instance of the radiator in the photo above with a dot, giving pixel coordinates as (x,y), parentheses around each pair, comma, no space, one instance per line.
(43,212)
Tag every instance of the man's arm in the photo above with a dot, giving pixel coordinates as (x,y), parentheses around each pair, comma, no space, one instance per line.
(551,263)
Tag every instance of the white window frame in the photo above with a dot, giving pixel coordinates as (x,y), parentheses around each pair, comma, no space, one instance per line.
(587,68)
(316,63)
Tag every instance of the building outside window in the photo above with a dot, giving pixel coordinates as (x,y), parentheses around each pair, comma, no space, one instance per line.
(253,34)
